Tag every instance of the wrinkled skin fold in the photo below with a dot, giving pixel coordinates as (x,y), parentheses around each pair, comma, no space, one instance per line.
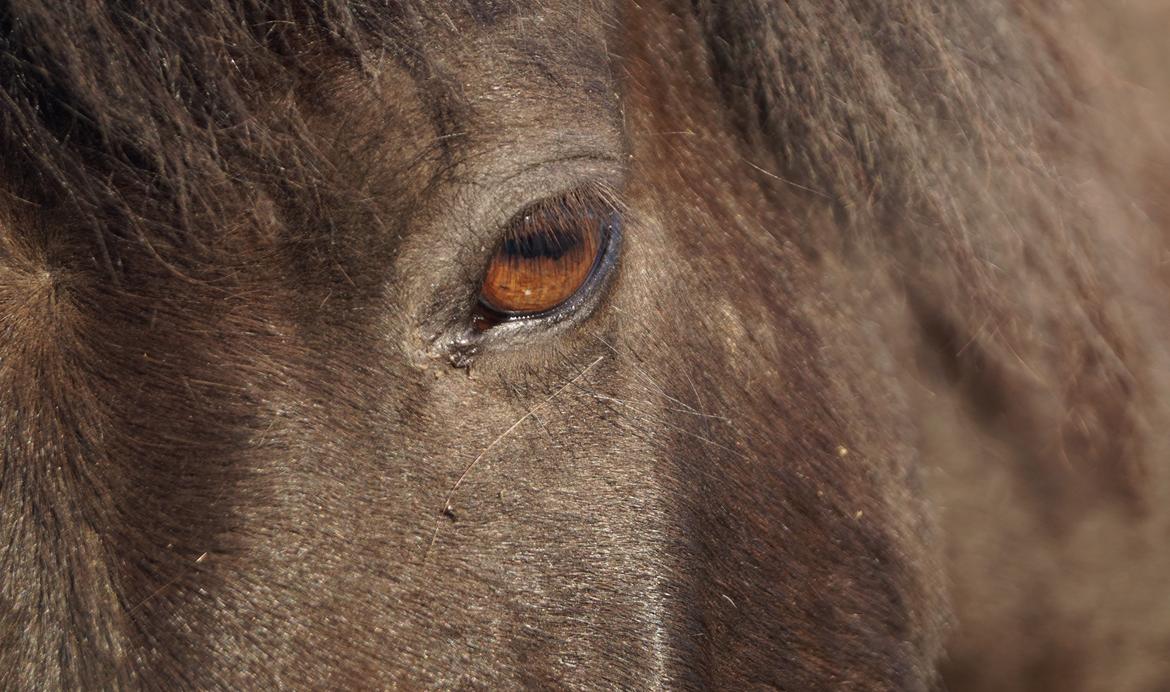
(874,399)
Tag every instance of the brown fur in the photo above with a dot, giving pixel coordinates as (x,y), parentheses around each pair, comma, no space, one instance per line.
(876,400)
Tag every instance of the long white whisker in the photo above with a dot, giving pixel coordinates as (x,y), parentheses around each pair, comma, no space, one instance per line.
(446,509)
(657,388)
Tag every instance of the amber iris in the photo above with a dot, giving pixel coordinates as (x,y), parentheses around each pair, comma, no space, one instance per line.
(545,258)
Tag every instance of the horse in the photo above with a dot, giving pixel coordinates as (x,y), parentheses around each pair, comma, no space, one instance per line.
(585,344)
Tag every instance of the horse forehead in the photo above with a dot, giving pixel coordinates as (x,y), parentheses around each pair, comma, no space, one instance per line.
(554,37)
(498,85)
(493,13)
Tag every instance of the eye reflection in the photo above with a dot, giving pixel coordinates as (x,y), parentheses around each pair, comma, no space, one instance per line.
(547,256)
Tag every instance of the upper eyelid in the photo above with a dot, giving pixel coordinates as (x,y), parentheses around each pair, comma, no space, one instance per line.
(602,173)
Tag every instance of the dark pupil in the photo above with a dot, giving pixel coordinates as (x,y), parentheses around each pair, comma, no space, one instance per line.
(551,243)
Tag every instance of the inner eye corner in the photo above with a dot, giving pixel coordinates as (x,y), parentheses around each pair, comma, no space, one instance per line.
(553,255)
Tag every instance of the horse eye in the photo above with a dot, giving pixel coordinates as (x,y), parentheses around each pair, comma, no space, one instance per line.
(548,256)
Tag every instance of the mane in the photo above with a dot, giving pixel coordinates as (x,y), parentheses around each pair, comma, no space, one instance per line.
(143,119)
